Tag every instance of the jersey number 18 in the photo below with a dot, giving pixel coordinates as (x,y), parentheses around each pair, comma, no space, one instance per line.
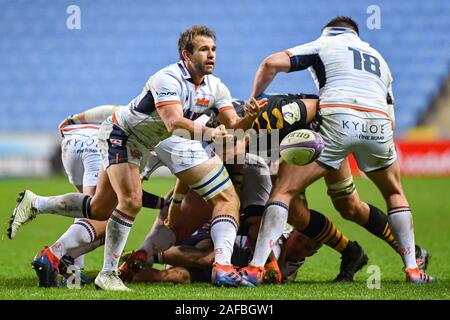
(371,64)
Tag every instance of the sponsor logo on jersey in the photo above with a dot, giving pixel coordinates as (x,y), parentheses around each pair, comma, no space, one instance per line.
(166,94)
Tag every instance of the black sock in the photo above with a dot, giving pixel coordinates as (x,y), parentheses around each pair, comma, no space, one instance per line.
(152,201)
(378,225)
(322,229)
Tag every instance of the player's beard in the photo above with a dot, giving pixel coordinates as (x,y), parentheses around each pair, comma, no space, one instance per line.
(204,68)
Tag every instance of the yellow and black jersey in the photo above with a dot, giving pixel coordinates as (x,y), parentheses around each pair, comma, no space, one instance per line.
(284,112)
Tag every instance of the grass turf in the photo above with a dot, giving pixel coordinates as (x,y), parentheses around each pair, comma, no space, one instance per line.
(428,197)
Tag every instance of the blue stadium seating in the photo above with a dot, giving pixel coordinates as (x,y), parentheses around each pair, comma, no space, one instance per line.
(48,71)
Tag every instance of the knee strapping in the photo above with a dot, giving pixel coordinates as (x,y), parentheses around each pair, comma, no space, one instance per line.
(213,183)
(341,189)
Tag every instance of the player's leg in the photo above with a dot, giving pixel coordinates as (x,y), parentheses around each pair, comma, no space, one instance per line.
(211,181)
(82,170)
(318,227)
(347,202)
(172,275)
(76,205)
(291,181)
(125,180)
(377,157)
(400,219)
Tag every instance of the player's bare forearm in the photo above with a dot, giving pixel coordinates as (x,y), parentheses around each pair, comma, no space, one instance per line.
(183,126)
(277,62)
(263,78)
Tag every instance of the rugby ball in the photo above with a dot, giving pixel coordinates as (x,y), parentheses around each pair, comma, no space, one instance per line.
(301,147)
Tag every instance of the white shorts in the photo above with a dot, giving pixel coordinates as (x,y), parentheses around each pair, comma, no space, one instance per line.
(256,182)
(180,154)
(81,159)
(176,153)
(370,139)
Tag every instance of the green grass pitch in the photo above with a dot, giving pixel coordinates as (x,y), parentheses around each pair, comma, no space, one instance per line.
(429,198)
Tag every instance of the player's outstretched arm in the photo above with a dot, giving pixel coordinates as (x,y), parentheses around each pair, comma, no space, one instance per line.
(277,62)
(176,123)
(94,115)
(231,120)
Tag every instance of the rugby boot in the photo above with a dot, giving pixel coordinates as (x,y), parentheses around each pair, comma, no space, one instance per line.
(417,276)
(352,260)
(254,275)
(110,281)
(134,263)
(272,272)
(23,212)
(46,264)
(227,276)
(422,258)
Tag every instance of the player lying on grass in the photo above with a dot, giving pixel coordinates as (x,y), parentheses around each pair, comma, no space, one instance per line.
(254,184)
(191,261)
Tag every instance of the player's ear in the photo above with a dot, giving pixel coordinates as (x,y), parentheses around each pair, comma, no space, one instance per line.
(186,55)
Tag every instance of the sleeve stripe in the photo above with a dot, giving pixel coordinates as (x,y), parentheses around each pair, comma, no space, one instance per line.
(288,53)
(226,108)
(164,103)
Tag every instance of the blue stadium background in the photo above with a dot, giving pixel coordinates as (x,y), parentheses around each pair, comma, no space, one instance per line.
(48,71)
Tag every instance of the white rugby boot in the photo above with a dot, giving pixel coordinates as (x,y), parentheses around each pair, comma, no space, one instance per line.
(109,280)
(23,212)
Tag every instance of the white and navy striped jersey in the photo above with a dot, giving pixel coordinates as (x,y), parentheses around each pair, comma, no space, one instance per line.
(347,71)
(172,84)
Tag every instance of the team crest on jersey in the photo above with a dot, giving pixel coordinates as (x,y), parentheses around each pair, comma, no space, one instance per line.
(202,102)
(116,142)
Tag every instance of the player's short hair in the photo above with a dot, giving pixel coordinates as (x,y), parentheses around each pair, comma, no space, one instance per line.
(186,40)
(342,21)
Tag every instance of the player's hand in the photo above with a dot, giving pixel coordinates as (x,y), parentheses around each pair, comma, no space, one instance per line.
(221,135)
(62,125)
(253,107)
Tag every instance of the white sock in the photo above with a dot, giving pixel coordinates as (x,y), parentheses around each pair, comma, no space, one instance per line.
(82,250)
(117,231)
(79,262)
(276,248)
(401,223)
(223,234)
(70,205)
(272,226)
(159,239)
(79,233)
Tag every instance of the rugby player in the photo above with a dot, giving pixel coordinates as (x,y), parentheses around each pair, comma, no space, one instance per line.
(81,159)
(354,85)
(166,108)
(289,112)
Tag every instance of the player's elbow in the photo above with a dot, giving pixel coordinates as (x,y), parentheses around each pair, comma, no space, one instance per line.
(275,63)
(269,65)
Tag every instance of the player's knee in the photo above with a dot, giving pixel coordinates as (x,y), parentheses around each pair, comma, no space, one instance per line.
(132,202)
(343,194)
